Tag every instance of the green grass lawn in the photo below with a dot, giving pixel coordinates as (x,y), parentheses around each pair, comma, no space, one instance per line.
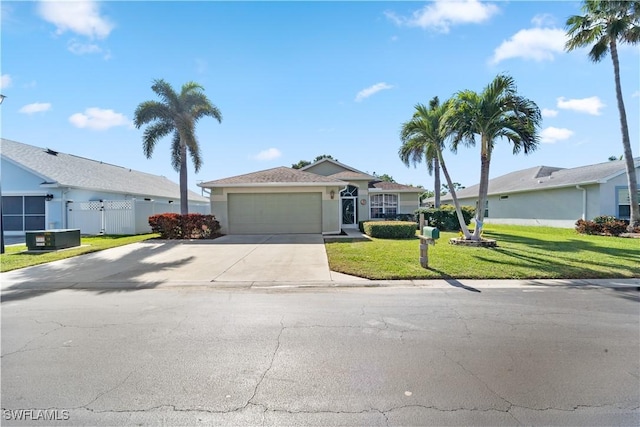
(522,253)
(15,256)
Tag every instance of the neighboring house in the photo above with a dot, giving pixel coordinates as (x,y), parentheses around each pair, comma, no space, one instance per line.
(553,196)
(323,197)
(44,189)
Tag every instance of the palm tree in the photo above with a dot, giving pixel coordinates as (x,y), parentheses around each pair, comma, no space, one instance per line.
(176,114)
(433,164)
(497,112)
(423,138)
(604,25)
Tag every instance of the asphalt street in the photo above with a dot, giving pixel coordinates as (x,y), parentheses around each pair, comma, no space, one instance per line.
(200,355)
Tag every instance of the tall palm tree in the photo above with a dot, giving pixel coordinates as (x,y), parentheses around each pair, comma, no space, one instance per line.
(604,25)
(497,112)
(423,139)
(433,164)
(176,114)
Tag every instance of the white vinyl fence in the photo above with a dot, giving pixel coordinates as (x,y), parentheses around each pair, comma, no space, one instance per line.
(121,216)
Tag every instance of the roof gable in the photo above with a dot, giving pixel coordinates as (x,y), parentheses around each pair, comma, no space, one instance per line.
(328,167)
(67,170)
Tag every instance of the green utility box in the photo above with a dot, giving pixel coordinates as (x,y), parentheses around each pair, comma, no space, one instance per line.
(431,232)
(50,240)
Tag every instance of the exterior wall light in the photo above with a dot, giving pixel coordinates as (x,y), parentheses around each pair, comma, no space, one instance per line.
(332,193)
(48,197)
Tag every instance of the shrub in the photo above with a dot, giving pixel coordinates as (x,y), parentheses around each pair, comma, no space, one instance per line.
(190,226)
(604,219)
(390,229)
(614,228)
(603,224)
(445,218)
(167,225)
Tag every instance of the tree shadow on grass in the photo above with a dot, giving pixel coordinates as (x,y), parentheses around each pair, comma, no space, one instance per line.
(568,245)
(120,274)
(559,267)
(560,263)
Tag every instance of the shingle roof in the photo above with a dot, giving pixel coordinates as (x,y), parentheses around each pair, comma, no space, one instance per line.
(282,176)
(347,175)
(393,186)
(542,177)
(67,170)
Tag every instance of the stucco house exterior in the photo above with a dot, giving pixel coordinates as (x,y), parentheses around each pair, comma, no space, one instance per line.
(44,189)
(554,196)
(323,197)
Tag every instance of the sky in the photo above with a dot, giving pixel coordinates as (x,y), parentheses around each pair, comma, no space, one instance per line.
(295,80)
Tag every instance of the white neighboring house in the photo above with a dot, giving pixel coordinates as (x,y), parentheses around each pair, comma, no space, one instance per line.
(43,189)
(554,196)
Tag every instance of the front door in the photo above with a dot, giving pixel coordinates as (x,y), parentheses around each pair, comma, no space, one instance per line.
(349,206)
(349,217)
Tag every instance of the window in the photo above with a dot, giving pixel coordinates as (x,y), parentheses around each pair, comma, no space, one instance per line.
(384,205)
(624,203)
(23,213)
(350,191)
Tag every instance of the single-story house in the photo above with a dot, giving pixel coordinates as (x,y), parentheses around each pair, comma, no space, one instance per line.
(554,196)
(323,197)
(45,189)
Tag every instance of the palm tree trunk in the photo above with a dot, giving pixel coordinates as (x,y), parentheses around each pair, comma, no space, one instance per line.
(632,181)
(485,157)
(184,196)
(436,181)
(463,225)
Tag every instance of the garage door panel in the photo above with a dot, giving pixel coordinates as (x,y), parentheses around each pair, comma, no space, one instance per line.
(275,213)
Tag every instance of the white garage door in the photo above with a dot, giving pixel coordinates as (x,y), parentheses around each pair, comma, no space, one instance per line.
(275,213)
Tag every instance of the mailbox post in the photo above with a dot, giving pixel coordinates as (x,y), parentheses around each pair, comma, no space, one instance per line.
(428,236)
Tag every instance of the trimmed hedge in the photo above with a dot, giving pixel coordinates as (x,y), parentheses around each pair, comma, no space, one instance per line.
(445,218)
(390,229)
(190,226)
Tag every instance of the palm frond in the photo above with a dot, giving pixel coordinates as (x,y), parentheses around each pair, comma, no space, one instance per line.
(150,111)
(153,134)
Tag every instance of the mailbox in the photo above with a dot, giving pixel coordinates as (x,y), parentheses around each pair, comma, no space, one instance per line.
(431,232)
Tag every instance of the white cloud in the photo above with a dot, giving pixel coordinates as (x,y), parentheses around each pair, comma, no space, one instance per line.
(80,48)
(442,14)
(36,107)
(371,90)
(98,119)
(5,81)
(548,112)
(590,105)
(538,44)
(635,94)
(543,20)
(81,17)
(268,154)
(552,135)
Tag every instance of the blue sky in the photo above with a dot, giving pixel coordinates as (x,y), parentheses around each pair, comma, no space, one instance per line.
(294,80)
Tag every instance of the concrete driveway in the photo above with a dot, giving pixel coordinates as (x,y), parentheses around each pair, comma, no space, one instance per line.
(251,258)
